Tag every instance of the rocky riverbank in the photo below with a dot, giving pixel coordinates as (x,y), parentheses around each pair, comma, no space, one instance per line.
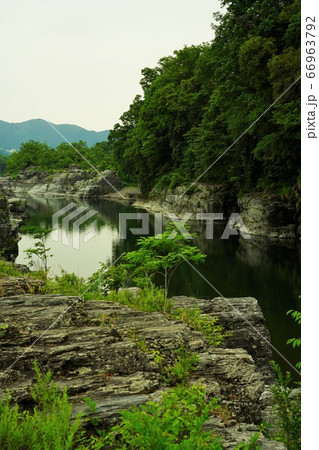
(263,214)
(72,183)
(11,216)
(95,351)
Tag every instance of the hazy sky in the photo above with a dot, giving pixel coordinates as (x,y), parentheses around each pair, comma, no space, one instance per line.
(79,61)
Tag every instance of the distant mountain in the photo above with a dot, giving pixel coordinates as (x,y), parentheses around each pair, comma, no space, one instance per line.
(13,134)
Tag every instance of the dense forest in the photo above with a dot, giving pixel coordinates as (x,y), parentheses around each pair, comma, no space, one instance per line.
(197,102)
(44,157)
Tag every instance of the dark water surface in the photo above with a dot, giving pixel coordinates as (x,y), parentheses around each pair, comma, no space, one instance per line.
(261,268)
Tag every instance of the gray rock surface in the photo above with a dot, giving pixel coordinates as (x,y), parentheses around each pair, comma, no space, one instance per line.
(243,319)
(73,183)
(267,216)
(198,199)
(8,230)
(262,214)
(95,350)
(10,286)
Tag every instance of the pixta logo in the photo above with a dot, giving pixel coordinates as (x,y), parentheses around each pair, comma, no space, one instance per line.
(71,223)
(234,226)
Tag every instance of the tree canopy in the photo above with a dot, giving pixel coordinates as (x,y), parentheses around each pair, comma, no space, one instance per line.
(197,102)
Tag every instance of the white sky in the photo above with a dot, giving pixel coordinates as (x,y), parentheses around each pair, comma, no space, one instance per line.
(79,61)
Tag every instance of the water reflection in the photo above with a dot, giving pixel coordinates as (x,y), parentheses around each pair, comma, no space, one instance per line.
(261,268)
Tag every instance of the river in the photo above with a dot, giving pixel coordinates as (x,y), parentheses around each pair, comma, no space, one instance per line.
(261,268)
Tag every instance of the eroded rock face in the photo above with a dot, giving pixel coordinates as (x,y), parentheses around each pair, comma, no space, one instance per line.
(243,319)
(268,216)
(8,230)
(198,199)
(94,348)
(73,183)
(11,286)
(262,214)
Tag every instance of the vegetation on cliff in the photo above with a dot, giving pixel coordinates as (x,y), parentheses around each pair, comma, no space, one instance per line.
(197,102)
(43,157)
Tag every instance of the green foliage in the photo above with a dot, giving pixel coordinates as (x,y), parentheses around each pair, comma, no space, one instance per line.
(175,422)
(162,254)
(3,163)
(3,327)
(40,250)
(200,322)
(253,444)
(49,425)
(179,372)
(8,270)
(295,342)
(65,284)
(41,157)
(200,100)
(109,277)
(287,407)
(148,299)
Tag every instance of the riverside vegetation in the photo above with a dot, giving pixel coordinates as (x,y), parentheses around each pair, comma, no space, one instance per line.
(177,420)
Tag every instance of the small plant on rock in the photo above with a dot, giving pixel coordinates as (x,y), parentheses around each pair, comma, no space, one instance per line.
(179,372)
(201,322)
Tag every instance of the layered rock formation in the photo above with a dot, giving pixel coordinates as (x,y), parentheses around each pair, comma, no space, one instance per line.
(268,216)
(73,183)
(261,214)
(9,227)
(198,199)
(94,348)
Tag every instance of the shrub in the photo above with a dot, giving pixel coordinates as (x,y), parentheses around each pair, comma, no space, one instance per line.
(66,284)
(109,277)
(295,342)
(175,422)
(8,270)
(201,322)
(48,426)
(149,299)
(287,407)
(179,372)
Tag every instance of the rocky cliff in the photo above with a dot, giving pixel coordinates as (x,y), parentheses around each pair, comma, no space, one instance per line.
(72,183)
(95,350)
(262,214)
(11,211)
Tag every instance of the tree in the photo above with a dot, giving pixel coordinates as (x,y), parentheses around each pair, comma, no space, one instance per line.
(3,163)
(40,250)
(198,101)
(162,254)
(31,153)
